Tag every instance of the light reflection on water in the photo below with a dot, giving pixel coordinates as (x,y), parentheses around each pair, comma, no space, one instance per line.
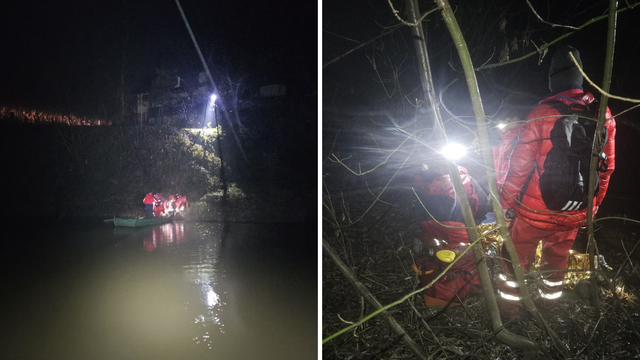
(169,292)
(174,232)
(201,271)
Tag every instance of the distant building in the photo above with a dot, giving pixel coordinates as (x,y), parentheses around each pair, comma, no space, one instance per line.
(180,104)
(182,101)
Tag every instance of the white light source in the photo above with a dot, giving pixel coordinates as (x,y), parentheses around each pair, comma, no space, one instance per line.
(453,151)
(213,98)
(501,126)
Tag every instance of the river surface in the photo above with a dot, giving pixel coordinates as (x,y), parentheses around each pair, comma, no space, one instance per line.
(176,291)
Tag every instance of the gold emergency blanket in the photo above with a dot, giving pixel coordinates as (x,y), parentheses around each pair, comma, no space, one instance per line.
(576,261)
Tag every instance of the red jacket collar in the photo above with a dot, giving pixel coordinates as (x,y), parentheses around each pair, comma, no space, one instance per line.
(571,96)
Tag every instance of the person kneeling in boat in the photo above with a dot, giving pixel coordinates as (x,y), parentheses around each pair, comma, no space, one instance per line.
(181,203)
(444,234)
(170,205)
(148,205)
(158,205)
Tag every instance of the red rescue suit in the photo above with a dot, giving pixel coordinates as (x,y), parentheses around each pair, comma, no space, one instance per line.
(529,154)
(442,224)
(501,153)
(148,205)
(148,199)
(521,191)
(438,206)
(181,203)
(158,205)
(170,205)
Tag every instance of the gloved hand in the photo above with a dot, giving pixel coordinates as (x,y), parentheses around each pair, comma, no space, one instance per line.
(509,214)
(432,250)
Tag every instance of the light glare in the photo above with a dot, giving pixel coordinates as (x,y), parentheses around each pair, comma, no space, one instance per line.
(453,151)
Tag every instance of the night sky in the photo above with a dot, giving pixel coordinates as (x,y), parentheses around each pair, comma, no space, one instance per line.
(352,83)
(70,56)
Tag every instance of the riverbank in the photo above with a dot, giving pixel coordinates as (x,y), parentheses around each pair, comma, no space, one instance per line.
(67,173)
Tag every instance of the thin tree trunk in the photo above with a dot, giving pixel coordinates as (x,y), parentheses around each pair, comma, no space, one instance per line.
(604,99)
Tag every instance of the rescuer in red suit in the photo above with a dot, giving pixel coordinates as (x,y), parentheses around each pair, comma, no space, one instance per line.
(170,205)
(148,205)
(521,197)
(158,205)
(442,223)
(181,203)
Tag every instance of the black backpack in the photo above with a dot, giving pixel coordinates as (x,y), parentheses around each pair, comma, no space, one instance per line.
(563,184)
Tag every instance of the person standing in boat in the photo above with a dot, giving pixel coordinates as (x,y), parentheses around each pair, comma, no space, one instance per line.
(148,205)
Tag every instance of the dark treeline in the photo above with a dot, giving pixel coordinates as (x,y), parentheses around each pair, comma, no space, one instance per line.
(60,172)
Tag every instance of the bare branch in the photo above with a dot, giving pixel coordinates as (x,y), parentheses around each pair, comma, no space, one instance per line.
(548,23)
(340,57)
(635,101)
(395,13)
(547,45)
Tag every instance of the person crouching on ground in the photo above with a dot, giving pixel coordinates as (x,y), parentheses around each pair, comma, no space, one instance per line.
(445,235)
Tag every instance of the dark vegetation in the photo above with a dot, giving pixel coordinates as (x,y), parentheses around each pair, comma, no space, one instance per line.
(377,133)
(65,173)
(381,248)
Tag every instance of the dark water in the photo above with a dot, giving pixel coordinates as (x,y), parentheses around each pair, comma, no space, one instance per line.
(179,291)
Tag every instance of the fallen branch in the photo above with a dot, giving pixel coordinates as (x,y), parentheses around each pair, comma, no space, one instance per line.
(362,290)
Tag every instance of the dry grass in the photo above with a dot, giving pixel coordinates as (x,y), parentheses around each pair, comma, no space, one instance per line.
(379,249)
